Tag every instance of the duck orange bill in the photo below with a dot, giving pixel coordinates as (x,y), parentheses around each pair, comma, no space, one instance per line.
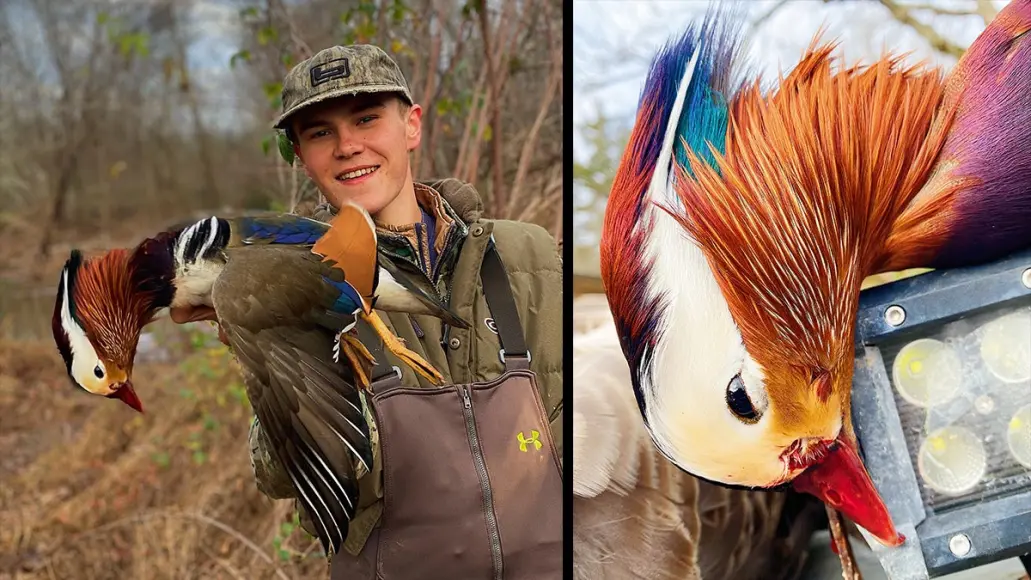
(128,396)
(841,481)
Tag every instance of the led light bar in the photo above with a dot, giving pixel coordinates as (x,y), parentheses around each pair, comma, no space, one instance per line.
(942,410)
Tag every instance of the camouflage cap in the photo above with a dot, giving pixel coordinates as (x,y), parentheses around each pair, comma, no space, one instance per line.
(338,71)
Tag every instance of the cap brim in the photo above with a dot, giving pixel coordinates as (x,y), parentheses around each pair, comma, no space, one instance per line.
(341,92)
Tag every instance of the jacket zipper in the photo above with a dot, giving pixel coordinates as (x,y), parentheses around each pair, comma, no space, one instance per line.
(481,471)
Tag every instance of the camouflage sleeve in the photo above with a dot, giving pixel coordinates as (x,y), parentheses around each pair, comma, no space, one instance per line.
(269,475)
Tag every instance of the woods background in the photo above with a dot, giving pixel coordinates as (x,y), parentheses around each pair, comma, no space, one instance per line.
(120,117)
(113,109)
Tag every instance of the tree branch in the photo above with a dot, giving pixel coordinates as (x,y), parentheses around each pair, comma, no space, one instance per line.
(497,195)
(530,143)
(761,20)
(987,11)
(904,15)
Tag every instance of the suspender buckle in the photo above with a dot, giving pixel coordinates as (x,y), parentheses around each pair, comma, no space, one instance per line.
(501,355)
(397,373)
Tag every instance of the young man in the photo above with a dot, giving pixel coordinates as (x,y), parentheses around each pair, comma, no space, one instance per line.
(470,486)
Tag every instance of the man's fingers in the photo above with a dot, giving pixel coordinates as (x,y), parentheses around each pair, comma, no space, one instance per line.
(184,314)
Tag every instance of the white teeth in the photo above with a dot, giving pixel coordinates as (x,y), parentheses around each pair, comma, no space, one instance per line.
(358,173)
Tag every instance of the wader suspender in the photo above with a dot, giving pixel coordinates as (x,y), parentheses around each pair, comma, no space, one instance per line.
(498,294)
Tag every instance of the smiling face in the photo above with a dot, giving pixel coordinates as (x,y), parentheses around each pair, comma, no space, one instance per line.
(356,149)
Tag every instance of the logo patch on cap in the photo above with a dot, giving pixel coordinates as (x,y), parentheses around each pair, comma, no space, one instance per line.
(338,68)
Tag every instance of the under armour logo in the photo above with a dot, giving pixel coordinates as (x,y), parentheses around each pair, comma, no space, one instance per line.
(322,73)
(523,441)
(491,325)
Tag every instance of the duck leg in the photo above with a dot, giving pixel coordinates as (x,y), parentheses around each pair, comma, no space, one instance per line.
(396,346)
(356,354)
(839,542)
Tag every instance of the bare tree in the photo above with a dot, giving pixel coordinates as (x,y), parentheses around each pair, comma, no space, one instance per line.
(125,120)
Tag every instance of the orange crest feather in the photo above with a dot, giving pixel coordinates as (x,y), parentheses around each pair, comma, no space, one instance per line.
(805,195)
(112,311)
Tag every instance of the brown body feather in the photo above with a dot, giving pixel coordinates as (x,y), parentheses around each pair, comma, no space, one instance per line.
(814,177)
(636,514)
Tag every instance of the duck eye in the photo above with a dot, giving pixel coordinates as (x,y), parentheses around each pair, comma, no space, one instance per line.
(738,401)
(98,372)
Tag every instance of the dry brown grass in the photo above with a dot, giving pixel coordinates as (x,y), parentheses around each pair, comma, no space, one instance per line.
(90,489)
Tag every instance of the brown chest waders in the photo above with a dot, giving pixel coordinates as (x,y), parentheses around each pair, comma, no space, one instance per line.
(472,484)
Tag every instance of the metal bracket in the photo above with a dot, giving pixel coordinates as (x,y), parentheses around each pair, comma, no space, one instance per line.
(501,356)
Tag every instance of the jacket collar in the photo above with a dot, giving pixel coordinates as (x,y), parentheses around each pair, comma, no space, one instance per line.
(454,203)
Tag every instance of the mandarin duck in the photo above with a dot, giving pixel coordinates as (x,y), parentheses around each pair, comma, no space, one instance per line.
(742,222)
(288,292)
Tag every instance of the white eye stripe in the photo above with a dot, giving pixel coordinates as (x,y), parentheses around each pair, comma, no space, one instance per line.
(84,357)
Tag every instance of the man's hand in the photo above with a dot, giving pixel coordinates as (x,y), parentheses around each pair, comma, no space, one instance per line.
(185,314)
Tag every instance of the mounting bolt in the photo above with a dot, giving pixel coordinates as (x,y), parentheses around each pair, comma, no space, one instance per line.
(984,404)
(959,545)
(1026,278)
(894,315)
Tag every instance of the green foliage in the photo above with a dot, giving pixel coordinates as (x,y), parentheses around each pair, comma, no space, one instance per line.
(274,93)
(244,55)
(594,176)
(195,444)
(162,459)
(238,393)
(361,23)
(515,65)
(286,148)
(398,11)
(283,536)
(128,42)
(267,35)
(137,42)
(209,382)
(283,145)
(363,11)
(446,105)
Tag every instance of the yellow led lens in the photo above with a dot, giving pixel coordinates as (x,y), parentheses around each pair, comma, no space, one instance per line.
(927,372)
(1018,435)
(1006,347)
(952,460)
